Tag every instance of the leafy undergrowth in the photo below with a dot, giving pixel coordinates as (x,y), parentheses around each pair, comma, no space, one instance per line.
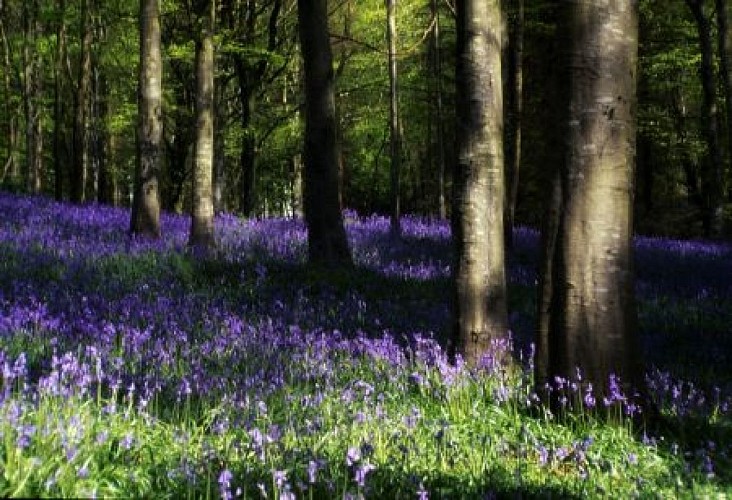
(132,369)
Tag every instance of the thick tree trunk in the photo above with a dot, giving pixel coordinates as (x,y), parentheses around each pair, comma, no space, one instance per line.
(327,242)
(202,211)
(712,178)
(395,152)
(80,166)
(479,273)
(591,321)
(145,218)
(514,105)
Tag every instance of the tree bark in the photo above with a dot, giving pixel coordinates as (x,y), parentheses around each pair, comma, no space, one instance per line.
(145,219)
(202,211)
(58,102)
(712,178)
(724,33)
(10,165)
(394,125)
(327,242)
(439,129)
(591,318)
(80,166)
(32,98)
(479,182)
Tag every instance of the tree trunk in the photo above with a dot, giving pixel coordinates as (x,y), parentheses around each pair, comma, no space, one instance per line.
(591,320)
(479,273)
(219,178)
(327,242)
(145,219)
(712,178)
(439,129)
(514,105)
(10,161)
(58,102)
(81,103)
(202,212)
(394,126)
(724,32)
(32,98)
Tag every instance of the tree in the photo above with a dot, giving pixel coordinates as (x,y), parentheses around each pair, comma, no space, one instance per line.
(394,125)
(724,34)
(590,320)
(145,219)
(327,243)
(79,167)
(712,170)
(480,282)
(202,210)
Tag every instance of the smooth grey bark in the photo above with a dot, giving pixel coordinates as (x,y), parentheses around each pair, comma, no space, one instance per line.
(201,235)
(327,242)
(480,310)
(592,317)
(145,219)
(395,143)
(712,171)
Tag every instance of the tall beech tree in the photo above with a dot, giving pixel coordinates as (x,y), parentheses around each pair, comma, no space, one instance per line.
(202,208)
(591,310)
(479,273)
(327,242)
(145,219)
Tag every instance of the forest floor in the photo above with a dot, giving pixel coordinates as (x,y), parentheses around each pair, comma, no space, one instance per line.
(133,368)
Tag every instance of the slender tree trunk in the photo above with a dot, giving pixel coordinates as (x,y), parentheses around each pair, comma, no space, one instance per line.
(591,319)
(724,32)
(58,106)
(80,167)
(145,219)
(32,98)
(394,125)
(327,242)
(514,105)
(439,129)
(219,179)
(10,161)
(101,139)
(202,210)
(480,282)
(712,178)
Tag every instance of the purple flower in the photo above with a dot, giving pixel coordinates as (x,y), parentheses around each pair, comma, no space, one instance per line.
(225,484)
(353,455)
(360,473)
